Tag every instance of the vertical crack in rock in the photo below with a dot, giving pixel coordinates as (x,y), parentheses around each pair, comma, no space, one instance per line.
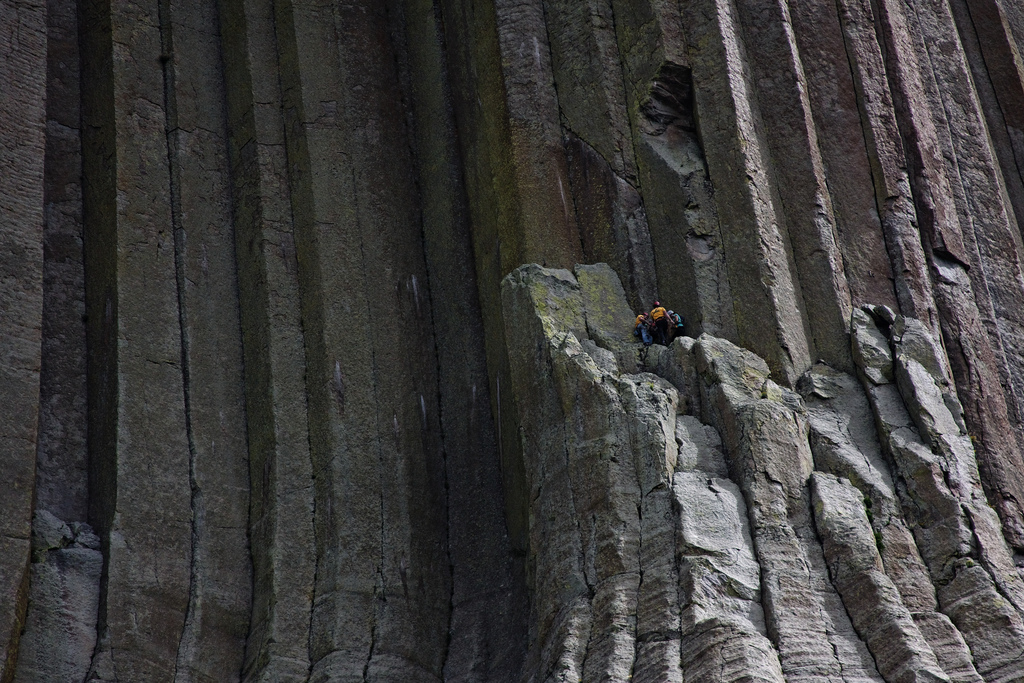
(187,641)
(893,197)
(845,443)
(280,468)
(415,42)
(942,234)
(212,642)
(602,170)
(798,173)
(672,175)
(380,595)
(763,278)
(487,602)
(140,498)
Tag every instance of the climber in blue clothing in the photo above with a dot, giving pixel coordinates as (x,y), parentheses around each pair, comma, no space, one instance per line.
(642,329)
(660,326)
(675,322)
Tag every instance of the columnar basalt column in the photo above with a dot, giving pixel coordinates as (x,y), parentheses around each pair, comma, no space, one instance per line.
(140,494)
(22,144)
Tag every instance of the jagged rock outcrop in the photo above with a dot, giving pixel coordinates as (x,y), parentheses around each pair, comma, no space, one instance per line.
(826,555)
(644,563)
(302,379)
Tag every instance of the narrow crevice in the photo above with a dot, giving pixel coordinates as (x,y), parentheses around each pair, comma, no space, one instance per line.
(638,638)
(813,523)
(627,88)
(187,641)
(295,262)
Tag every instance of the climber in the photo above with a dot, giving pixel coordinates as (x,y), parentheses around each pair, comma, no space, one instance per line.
(660,317)
(642,329)
(675,322)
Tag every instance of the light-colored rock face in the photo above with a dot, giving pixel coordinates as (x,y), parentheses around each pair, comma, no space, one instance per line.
(316,351)
(841,533)
(642,554)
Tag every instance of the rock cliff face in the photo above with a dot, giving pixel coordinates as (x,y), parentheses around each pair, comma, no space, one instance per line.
(302,378)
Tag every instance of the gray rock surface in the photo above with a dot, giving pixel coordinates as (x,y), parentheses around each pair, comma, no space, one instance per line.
(638,567)
(139,486)
(60,632)
(23,42)
(977,584)
(281,498)
(871,598)
(254,334)
(764,431)
(757,248)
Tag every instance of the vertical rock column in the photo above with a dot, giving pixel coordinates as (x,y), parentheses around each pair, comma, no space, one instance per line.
(382,600)
(845,443)
(991,235)
(213,641)
(765,437)
(871,598)
(832,96)
(975,367)
(62,475)
(770,312)
(599,146)
(280,471)
(60,628)
(893,198)
(520,199)
(640,572)
(722,629)
(792,145)
(22,145)
(140,497)
(560,611)
(998,73)
(489,601)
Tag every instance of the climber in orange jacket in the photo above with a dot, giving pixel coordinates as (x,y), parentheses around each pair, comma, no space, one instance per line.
(642,329)
(660,317)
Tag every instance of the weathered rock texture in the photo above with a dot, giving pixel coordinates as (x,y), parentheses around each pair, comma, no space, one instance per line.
(301,378)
